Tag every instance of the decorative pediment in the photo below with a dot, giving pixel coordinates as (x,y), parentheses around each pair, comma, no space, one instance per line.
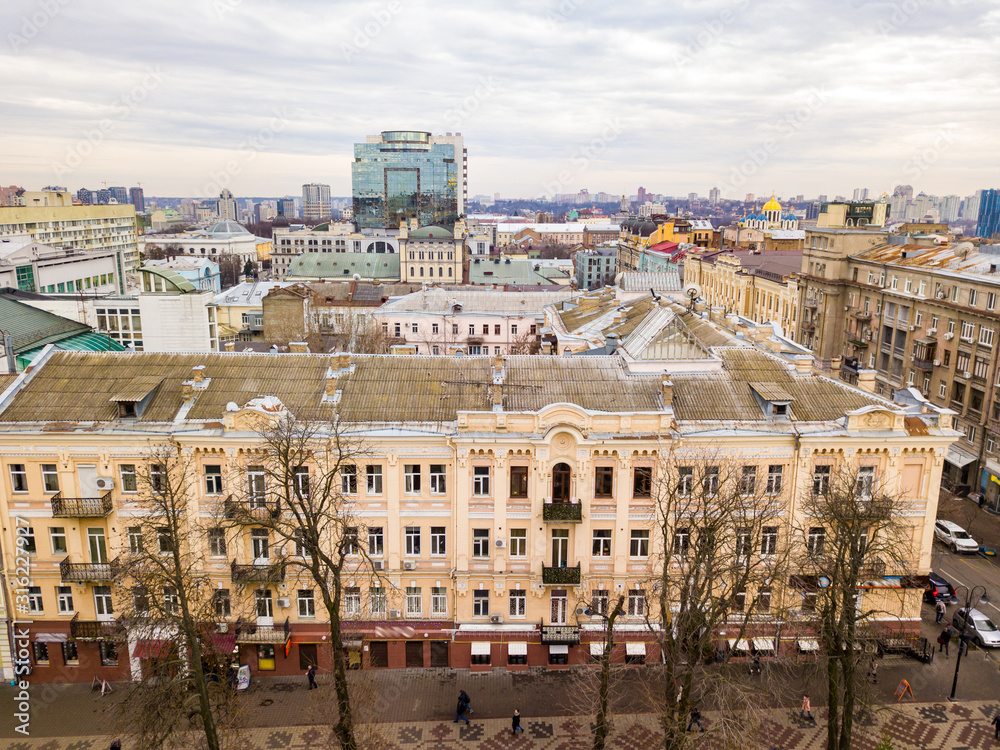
(875,418)
(257,414)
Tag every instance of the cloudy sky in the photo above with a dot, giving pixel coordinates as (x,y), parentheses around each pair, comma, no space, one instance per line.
(794,96)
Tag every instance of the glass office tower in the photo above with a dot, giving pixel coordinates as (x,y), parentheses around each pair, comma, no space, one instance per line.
(405,174)
(989,214)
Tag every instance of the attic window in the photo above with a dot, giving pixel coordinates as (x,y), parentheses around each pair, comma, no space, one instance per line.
(773,400)
(780,410)
(126,409)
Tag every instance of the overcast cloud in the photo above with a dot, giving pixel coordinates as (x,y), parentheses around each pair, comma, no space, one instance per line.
(551,95)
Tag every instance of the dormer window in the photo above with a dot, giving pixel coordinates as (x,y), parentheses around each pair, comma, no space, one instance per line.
(773,400)
(779,410)
(133,399)
(126,409)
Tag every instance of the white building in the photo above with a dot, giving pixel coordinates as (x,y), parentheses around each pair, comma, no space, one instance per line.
(226,206)
(224,238)
(315,201)
(32,267)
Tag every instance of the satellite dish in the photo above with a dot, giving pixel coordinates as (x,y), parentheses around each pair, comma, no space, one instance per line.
(692,291)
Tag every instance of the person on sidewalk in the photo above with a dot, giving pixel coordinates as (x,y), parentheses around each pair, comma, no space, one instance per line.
(460,712)
(942,609)
(873,671)
(806,712)
(464,697)
(515,723)
(944,640)
(116,743)
(311,674)
(996,724)
(695,719)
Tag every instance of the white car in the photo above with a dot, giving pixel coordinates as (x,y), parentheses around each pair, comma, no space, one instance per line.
(981,628)
(954,536)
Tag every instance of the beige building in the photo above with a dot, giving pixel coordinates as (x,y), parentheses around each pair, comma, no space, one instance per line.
(432,254)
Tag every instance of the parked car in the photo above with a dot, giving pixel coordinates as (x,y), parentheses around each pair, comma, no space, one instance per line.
(954,536)
(984,633)
(940,590)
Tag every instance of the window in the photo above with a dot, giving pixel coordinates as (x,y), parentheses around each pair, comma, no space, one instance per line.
(816,540)
(986,336)
(639,543)
(682,540)
(260,544)
(376,600)
(26,539)
(599,601)
(603,481)
(513,330)
(109,653)
(434,327)
(968,329)
(821,479)
(50,478)
(744,544)
(518,542)
(307,603)
(991,444)
(135,545)
(171,602)
(480,603)
(255,485)
(970,434)
(454,329)
(636,603)
(35,599)
(438,475)
(158,478)
(18,478)
(396,327)
(373,477)
(496,329)
(481,543)
(376,546)
(438,546)
(439,601)
(300,481)
(764,598)
(710,482)
(414,328)
(480,481)
(518,481)
(602,543)
(685,480)
(412,541)
(57,539)
(991,300)
(942,389)
(349,479)
(518,602)
(865,484)
(41,649)
(127,473)
(411,479)
(973,296)
(264,605)
(769,540)
(140,600)
(642,481)
(349,541)
(414,601)
(217,542)
(774,474)
(223,603)
(165,541)
(739,600)
(213,480)
(748,480)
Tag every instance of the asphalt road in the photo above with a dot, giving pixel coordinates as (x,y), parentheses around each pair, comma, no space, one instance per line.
(969,571)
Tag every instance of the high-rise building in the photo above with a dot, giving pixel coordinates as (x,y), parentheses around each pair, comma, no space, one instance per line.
(8,195)
(640,195)
(136,198)
(226,206)
(901,197)
(315,201)
(949,208)
(406,174)
(970,206)
(713,196)
(286,207)
(103,197)
(120,195)
(988,224)
(85,196)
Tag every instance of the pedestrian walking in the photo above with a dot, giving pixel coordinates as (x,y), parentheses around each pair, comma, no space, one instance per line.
(806,712)
(944,640)
(996,725)
(464,697)
(460,712)
(515,723)
(311,674)
(695,719)
(873,671)
(942,609)
(116,743)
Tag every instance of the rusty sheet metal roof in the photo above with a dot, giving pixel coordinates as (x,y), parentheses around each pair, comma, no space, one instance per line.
(727,395)
(916,426)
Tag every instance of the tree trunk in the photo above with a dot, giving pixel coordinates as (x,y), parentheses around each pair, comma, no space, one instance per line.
(344,728)
(833,690)
(198,674)
(601,731)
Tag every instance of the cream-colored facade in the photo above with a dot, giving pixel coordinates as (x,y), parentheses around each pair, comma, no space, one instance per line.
(495,494)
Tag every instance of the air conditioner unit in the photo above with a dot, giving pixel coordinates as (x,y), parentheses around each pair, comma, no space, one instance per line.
(409,566)
(279,550)
(868,335)
(932,331)
(500,543)
(378,565)
(913,328)
(949,336)
(496,619)
(937,362)
(941,295)
(105,483)
(395,613)
(284,602)
(966,374)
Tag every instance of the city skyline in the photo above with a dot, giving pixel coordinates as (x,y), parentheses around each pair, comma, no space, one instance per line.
(181,101)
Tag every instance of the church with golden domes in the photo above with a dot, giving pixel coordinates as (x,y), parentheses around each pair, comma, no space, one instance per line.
(772,216)
(769,228)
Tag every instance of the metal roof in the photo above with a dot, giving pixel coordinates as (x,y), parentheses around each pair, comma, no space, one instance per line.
(31,328)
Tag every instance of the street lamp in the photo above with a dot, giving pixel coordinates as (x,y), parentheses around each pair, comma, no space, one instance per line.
(601,729)
(972,597)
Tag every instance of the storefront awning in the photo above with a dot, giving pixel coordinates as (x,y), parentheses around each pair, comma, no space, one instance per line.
(224,643)
(480,648)
(739,645)
(806,644)
(51,637)
(763,644)
(635,649)
(517,648)
(958,457)
(596,648)
(558,648)
(151,649)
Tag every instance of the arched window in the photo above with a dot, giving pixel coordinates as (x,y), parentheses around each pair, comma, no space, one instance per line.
(560,483)
(421,270)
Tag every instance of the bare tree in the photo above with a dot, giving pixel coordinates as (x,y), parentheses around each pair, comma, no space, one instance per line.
(525,343)
(359,333)
(854,529)
(183,685)
(302,492)
(716,557)
(230,269)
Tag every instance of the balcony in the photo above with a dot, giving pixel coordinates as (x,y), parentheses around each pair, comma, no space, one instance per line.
(863,315)
(250,511)
(923,364)
(874,569)
(88,572)
(562,512)
(561,576)
(810,304)
(94,630)
(81,507)
(267,574)
(251,632)
(857,343)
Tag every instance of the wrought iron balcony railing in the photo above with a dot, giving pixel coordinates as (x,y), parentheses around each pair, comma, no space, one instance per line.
(561,576)
(258,573)
(88,572)
(94,630)
(81,507)
(562,512)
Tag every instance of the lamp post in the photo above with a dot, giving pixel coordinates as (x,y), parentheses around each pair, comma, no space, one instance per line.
(601,729)
(972,597)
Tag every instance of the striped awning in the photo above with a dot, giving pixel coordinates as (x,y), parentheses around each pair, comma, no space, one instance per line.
(480,648)
(739,645)
(763,644)
(517,648)
(149,648)
(808,644)
(635,649)
(51,637)
(597,648)
(558,648)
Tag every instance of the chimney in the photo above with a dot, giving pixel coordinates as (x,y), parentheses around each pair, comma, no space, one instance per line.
(230,346)
(345,361)
(298,347)
(667,391)
(611,343)
(199,373)
(497,364)
(187,391)
(866,380)
(331,387)
(803,364)
(397,349)
(497,392)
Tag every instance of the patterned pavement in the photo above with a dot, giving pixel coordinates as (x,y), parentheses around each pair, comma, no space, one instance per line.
(923,726)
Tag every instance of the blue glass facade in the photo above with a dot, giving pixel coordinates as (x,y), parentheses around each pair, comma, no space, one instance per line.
(988,224)
(405,176)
